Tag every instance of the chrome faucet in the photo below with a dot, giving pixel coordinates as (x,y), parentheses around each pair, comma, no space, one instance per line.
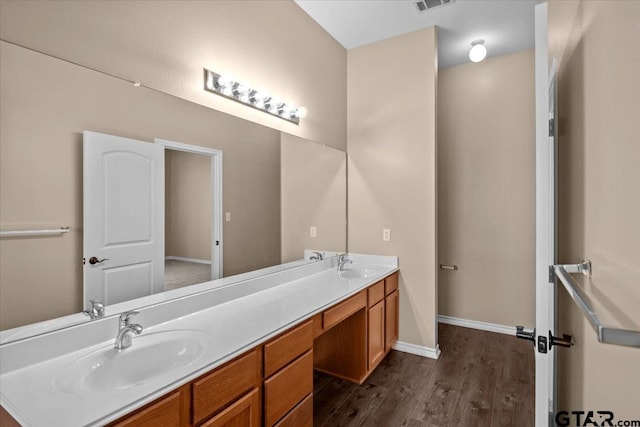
(342,260)
(96,311)
(126,330)
(317,257)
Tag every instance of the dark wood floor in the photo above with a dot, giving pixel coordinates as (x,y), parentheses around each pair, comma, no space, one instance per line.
(481,379)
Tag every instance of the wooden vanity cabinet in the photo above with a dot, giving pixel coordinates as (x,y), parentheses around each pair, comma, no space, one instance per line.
(170,410)
(244,412)
(300,416)
(391,283)
(391,320)
(228,396)
(288,367)
(357,333)
(375,325)
(232,382)
(272,384)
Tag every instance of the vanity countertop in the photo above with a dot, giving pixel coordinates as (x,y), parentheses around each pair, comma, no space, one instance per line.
(33,396)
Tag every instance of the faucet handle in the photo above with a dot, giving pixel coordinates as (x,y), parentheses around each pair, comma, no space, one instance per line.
(318,256)
(97,305)
(96,311)
(126,317)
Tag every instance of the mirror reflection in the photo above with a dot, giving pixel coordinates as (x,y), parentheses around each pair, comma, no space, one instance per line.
(274,188)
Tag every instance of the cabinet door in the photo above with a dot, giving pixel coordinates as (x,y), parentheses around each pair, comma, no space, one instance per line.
(391,320)
(376,334)
(245,412)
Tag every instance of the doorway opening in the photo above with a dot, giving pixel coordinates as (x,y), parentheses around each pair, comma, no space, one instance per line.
(193,214)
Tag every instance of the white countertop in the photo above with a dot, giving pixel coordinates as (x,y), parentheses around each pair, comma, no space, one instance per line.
(260,310)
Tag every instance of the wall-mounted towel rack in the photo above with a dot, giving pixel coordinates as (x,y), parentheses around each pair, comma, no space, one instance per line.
(606,334)
(39,232)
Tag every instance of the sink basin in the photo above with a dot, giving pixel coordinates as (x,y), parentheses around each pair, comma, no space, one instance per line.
(360,272)
(151,357)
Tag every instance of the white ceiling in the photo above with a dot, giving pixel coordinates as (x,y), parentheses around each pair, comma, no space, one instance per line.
(505,25)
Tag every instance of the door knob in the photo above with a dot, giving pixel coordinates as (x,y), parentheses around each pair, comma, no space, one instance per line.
(525,335)
(93,260)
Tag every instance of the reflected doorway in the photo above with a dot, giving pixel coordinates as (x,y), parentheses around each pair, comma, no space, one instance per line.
(193,214)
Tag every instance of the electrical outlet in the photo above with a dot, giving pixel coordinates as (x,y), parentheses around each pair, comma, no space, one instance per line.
(386,234)
(227,216)
(312,231)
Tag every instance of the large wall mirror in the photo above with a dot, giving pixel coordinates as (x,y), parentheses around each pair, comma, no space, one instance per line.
(275,186)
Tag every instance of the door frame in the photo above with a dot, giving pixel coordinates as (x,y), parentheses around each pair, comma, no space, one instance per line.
(216,188)
(546,223)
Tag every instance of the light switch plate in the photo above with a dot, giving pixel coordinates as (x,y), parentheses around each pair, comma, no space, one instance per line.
(227,216)
(312,231)
(386,234)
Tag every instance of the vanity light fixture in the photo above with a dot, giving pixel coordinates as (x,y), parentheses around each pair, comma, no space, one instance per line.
(478,51)
(230,88)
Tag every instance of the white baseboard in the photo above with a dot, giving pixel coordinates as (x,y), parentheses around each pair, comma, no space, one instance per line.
(181,258)
(418,350)
(474,324)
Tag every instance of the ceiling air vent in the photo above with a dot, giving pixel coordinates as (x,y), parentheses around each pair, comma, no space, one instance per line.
(424,5)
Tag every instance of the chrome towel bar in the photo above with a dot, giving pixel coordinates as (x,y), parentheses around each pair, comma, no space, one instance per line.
(606,334)
(44,232)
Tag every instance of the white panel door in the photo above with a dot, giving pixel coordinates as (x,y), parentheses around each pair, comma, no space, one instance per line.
(123,236)
(545,353)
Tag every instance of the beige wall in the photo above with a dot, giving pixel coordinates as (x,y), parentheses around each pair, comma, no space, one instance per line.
(486,190)
(273,45)
(392,168)
(188,205)
(313,194)
(596,43)
(44,107)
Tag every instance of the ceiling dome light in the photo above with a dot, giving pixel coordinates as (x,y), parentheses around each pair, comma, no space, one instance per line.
(478,52)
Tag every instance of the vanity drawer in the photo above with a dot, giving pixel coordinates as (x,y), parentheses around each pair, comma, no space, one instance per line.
(284,390)
(391,283)
(224,385)
(300,416)
(375,293)
(343,310)
(170,410)
(282,350)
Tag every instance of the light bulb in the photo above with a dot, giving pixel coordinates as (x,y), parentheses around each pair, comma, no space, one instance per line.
(240,89)
(210,81)
(273,105)
(225,81)
(300,112)
(285,110)
(478,52)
